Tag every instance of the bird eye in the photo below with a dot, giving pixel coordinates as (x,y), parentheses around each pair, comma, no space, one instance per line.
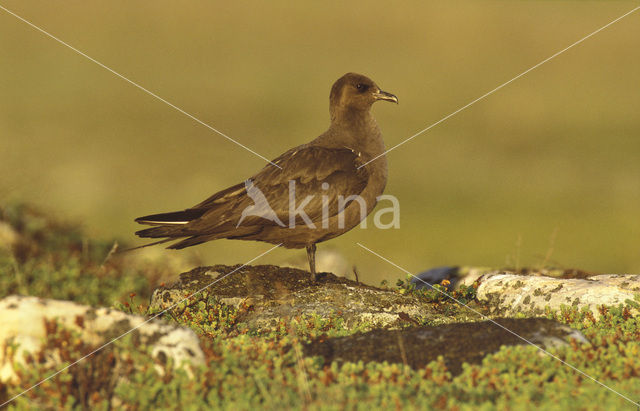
(361,87)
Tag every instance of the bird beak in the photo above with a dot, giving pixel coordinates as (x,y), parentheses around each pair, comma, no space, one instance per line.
(383,95)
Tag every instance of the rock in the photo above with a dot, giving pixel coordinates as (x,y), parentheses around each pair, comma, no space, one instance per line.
(457,343)
(511,294)
(275,294)
(23,323)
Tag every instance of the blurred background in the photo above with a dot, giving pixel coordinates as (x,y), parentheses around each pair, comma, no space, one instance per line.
(544,171)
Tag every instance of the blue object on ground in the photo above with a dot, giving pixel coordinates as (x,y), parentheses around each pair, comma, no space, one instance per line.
(435,276)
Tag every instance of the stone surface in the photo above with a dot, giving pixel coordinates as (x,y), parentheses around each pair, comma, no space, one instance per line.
(512,294)
(276,294)
(457,343)
(23,323)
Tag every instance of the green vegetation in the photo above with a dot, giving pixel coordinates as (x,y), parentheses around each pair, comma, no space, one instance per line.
(439,293)
(52,259)
(556,151)
(245,371)
(249,369)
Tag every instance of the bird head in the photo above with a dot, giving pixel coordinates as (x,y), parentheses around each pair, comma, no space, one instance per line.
(355,92)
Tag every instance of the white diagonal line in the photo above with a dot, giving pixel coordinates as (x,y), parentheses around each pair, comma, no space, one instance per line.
(500,86)
(137,85)
(503,327)
(136,327)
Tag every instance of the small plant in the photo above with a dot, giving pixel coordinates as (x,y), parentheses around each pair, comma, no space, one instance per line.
(206,315)
(439,293)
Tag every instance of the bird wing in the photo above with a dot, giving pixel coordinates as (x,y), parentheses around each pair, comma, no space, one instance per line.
(303,172)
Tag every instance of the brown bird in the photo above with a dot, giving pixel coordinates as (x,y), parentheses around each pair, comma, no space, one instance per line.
(319,192)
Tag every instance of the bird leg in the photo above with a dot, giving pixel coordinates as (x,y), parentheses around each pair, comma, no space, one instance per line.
(311,255)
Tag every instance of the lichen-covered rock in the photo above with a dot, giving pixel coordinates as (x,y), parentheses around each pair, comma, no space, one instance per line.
(457,343)
(512,294)
(24,320)
(274,294)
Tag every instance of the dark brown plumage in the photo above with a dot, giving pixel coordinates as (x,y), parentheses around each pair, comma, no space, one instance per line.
(325,168)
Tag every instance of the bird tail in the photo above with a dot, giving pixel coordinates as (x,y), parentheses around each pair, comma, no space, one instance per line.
(168,224)
(173,218)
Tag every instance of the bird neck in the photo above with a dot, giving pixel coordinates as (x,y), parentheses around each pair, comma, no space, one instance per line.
(352,119)
(355,129)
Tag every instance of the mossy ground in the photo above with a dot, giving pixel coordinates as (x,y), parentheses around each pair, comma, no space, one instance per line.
(247,368)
